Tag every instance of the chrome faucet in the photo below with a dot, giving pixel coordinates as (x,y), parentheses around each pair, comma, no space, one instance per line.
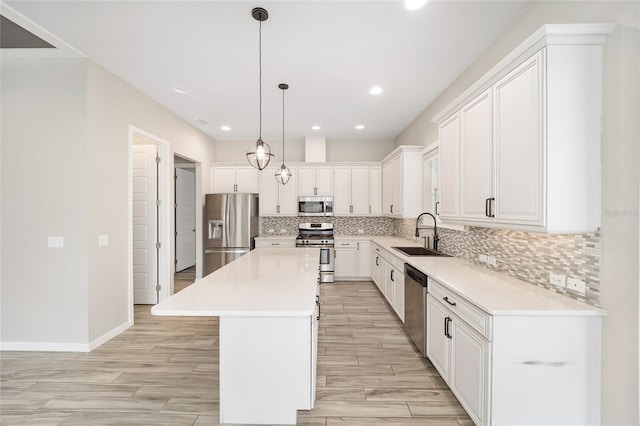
(435,229)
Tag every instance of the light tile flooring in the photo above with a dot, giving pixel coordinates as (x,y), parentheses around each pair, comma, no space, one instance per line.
(164,371)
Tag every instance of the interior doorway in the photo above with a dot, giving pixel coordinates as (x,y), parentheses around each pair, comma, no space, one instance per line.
(184,222)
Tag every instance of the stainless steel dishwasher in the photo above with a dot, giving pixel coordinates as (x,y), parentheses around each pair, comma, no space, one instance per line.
(415,302)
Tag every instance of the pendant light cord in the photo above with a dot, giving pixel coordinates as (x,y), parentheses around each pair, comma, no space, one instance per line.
(260,69)
(283,127)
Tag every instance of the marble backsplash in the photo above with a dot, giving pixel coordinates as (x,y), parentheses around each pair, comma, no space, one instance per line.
(341,225)
(528,256)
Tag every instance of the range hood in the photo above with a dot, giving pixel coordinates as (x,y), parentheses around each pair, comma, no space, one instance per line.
(315,149)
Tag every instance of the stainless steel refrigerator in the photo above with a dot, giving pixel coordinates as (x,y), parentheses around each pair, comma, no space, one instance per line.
(230,226)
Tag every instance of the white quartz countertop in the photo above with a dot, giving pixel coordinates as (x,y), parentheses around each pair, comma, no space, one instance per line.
(277,237)
(493,292)
(264,282)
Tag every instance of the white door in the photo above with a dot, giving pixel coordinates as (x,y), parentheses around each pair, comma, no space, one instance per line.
(247,179)
(324,180)
(306,180)
(438,343)
(342,196)
(387,187)
(223,179)
(185,218)
(450,167)
(269,201)
(375,190)
(288,194)
(359,190)
(145,224)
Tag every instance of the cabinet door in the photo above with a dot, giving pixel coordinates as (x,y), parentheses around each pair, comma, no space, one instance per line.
(519,190)
(476,163)
(223,179)
(288,195)
(247,179)
(268,192)
(470,354)
(342,195)
(360,190)
(324,180)
(397,184)
(377,268)
(363,254)
(375,190)
(387,188)
(438,344)
(306,180)
(345,266)
(430,183)
(450,167)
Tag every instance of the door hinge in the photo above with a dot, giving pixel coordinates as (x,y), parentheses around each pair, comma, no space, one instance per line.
(158,244)
(157,159)
(175,177)
(158,202)
(175,262)
(158,287)
(175,233)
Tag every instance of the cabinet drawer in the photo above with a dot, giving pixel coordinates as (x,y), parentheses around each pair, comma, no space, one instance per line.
(477,319)
(279,243)
(346,244)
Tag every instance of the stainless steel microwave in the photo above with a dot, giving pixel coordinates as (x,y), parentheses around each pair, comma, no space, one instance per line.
(315,206)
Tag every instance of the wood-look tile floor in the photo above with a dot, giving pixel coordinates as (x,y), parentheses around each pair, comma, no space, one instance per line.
(164,371)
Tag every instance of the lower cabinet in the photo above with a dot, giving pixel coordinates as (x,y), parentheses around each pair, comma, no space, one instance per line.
(376,265)
(352,260)
(276,242)
(387,272)
(514,369)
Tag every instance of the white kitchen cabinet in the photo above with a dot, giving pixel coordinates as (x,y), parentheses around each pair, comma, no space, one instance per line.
(449,153)
(402,182)
(277,199)
(352,259)
(529,136)
(393,288)
(377,266)
(230,178)
(357,192)
(431,181)
(315,180)
(438,346)
(476,158)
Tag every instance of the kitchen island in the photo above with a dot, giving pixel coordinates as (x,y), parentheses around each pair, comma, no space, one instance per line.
(268,306)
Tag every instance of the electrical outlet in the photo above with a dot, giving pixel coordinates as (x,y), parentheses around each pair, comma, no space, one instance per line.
(491,261)
(283,231)
(557,279)
(360,231)
(55,242)
(271,230)
(482,258)
(576,285)
(103,240)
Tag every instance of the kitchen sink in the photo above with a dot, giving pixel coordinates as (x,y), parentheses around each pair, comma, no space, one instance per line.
(419,251)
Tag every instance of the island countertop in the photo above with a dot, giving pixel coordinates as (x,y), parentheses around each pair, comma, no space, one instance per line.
(265,282)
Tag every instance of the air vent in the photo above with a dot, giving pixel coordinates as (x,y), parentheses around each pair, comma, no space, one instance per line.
(202,121)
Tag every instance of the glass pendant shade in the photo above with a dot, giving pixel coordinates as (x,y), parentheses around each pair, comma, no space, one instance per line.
(259,154)
(283,174)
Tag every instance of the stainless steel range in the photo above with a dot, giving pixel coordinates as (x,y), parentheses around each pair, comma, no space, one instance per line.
(319,235)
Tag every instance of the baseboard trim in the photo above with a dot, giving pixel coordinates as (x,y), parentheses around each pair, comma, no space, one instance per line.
(64,347)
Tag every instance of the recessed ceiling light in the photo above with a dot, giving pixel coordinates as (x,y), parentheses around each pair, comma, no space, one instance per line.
(202,121)
(225,128)
(180,90)
(359,127)
(316,127)
(375,90)
(414,4)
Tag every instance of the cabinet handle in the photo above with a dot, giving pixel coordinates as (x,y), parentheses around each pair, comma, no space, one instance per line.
(446,299)
(350,209)
(392,271)
(275,244)
(318,303)
(491,200)
(369,209)
(315,191)
(486,207)
(358,246)
(344,244)
(391,208)
(447,320)
(377,261)
(277,209)
(437,205)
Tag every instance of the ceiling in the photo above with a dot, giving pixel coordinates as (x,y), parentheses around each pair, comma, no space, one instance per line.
(329,52)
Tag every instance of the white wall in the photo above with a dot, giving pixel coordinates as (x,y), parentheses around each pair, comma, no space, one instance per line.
(65,142)
(619,273)
(375,150)
(44,193)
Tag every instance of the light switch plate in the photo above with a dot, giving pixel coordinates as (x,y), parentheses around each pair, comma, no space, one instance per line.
(55,242)
(103,240)
(557,279)
(576,285)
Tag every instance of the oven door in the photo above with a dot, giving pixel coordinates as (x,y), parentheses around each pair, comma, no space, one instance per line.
(327,262)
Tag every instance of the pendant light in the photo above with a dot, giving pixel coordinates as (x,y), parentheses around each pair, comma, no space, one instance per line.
(283,173)
(259,154)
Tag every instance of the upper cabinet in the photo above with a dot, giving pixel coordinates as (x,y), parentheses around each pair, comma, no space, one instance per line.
(520,149)
(402,182)
(277,199)
(431,180)
(231,178)
(357,192)
(315,180)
